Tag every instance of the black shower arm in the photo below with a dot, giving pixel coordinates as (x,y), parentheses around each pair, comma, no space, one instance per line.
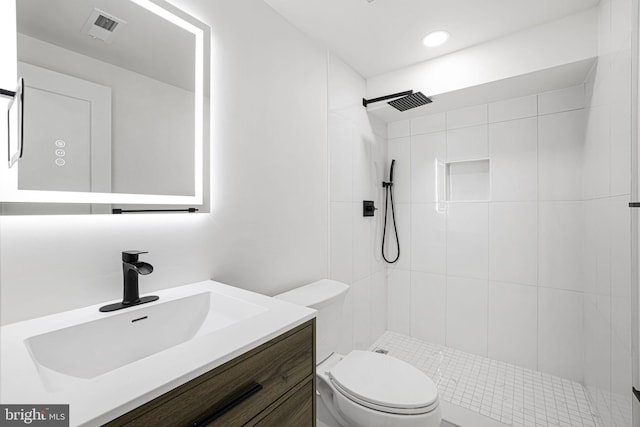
(366,102)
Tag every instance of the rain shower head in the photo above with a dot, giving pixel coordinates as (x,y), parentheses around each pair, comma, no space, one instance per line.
(402,101)
(410,101)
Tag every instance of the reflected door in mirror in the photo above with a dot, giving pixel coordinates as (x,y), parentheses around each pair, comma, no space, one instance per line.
(68,139)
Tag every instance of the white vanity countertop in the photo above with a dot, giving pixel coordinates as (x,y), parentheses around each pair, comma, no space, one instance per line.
(98,400)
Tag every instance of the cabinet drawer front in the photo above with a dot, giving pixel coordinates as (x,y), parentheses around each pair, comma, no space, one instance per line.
(235,392)
(296,411)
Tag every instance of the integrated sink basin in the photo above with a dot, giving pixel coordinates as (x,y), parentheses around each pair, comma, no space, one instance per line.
(105,364)
(93,348)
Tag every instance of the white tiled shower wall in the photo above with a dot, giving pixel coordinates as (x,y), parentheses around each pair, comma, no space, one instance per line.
(499,277)
(507,277)
(539,274)
(357,157)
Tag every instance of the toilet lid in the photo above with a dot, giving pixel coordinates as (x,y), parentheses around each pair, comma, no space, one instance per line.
(384,381)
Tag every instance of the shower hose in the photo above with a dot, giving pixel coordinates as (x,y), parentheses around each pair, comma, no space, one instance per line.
(388,187)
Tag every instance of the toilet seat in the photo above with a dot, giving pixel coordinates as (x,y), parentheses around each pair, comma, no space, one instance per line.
(384,383)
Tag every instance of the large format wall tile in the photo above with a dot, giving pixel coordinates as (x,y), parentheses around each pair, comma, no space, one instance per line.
(403,227)
(362,333)
(469,143)
(399,129)
(597,351)
(621,346)
(428,306)
(400,151)
(464,117)
(596,246)
(428,239)
(620,124)
(560,342)
(560,153)
(513,326)
(341,241)
(426,151)
(341,158)
(572,98)
(511,109)
(365,165)
(429,124)
(559,251)
(362,243)
(345,344)
(620,238)
(595,153)
(467,314)
(378,311)
(468,240)
(399,300)
(513,150)
(513,242)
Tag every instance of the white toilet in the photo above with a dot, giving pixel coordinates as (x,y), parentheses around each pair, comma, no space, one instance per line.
(362,388)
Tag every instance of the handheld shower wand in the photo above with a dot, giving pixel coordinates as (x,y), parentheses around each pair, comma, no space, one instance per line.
(393,163)
(388,187)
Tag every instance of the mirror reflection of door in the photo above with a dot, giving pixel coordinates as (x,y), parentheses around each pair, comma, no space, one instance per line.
(70,136)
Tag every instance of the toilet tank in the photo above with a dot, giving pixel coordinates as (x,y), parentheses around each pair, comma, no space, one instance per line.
(326,296)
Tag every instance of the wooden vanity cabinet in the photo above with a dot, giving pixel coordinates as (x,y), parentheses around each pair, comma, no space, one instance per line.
(271,385)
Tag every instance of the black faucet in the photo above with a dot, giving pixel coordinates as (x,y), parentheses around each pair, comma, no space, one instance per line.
(131,269)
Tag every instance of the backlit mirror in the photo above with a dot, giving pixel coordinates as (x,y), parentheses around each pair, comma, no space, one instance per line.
(114,103)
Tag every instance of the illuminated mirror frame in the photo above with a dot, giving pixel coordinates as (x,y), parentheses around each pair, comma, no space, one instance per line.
(9,191)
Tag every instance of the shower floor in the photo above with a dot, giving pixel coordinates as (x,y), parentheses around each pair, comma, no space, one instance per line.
(510,394)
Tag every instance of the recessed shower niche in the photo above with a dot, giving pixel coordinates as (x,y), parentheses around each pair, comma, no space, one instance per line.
(468,180)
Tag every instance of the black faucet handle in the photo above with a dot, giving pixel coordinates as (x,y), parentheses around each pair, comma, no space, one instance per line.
(132,256)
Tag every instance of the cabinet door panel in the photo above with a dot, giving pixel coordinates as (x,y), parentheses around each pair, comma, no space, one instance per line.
(296,411)
(236,392)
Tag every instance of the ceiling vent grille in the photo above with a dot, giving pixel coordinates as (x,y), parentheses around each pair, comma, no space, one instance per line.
(102,26)
(106,23)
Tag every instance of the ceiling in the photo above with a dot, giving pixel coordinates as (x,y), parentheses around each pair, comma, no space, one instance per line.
(378,36)
(147,44)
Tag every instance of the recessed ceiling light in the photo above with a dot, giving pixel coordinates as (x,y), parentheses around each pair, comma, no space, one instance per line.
(435,39)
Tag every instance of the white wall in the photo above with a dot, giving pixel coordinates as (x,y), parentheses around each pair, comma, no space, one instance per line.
(268,226)
(499,276)
(357,153)
(606,190)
